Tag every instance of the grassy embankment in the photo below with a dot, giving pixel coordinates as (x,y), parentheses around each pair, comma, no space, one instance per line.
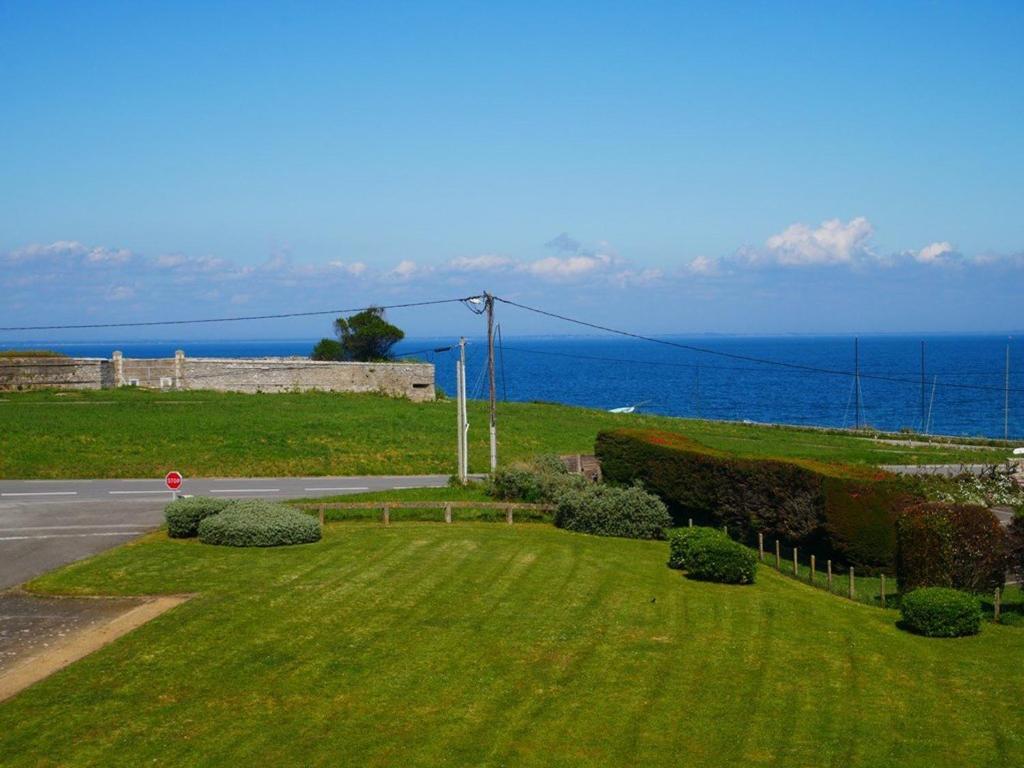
(135,433)
(473,644)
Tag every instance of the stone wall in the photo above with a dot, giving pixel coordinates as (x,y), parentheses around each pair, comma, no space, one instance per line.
(259,374)
(55,373)
(288,374)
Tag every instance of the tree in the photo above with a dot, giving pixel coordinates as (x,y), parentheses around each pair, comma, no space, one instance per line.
(327,349)
(365,337)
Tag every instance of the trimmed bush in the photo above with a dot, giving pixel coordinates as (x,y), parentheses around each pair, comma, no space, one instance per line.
(184,515)
(841,512)
(941,612)
(610,511)
(681,542)
(720,559)
(950,545)
(259,524)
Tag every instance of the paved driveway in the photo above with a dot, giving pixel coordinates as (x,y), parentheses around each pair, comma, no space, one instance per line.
(47,523)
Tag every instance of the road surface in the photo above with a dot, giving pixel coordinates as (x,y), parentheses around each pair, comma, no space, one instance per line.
(47,523)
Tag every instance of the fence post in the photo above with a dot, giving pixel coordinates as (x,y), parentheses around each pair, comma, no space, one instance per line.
(829,565)
(447,511)
(812,568)
(689,523)
(997,604)
(760,545)
(508,514)
(883,590)
(579,464)
(796,570)
(322,507)
(778,555)
(853,589)
(387,514)
(725,530)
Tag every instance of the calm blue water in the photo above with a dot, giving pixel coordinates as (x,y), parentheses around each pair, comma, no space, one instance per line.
(604,372)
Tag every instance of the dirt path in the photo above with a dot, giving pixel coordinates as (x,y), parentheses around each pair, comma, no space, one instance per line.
(41,635)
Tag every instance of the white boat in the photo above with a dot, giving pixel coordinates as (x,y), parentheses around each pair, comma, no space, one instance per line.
(629,408)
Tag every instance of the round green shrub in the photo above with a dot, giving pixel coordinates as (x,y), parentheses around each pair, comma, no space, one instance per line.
(681,542)
(606,510)
(720,559)
(941,612)
(184,515)
(259,524)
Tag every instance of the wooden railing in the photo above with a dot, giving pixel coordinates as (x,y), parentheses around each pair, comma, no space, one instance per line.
(385,507)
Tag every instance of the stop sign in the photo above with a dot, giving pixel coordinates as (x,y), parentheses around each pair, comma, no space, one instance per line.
(173,480)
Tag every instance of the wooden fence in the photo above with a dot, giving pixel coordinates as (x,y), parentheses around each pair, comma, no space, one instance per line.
(385,507)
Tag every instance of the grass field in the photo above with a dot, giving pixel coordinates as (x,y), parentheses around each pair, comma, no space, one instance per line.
(137,433)
(478,644)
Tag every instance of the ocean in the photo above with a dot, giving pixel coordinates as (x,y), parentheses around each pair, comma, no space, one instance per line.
(963,391)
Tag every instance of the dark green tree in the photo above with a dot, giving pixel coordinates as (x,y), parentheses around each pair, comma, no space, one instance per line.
(327,349)
(364,337)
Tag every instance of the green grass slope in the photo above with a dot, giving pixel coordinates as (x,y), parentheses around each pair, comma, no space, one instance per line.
(136,433)
(477,644)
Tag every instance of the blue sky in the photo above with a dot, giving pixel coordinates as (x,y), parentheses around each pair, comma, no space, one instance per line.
(671,167)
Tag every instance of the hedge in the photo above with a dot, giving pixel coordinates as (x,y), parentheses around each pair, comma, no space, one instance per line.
(610,511)
(840,512)
(681,542)
(941,612)
(719,558)
(950,545)
(1016,542)
(259,524)
(184,515)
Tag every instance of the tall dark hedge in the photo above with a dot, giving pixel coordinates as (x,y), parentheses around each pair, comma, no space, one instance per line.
(839,512)
(960,546)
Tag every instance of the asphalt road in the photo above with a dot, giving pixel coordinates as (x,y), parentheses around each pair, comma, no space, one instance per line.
(47,523)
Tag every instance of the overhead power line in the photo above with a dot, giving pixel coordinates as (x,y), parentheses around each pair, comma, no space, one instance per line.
(280,316)
(738,356)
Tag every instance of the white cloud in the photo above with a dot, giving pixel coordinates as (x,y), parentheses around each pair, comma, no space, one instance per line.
(487,262)
(935,252)
(639,277)
(120,293)
(561,268)
(702,265)
(407,269)
(355,268)
(833,242)
(62,250)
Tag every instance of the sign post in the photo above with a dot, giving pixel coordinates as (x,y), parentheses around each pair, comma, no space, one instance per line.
(173,482)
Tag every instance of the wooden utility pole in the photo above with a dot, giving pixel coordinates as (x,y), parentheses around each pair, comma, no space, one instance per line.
(923,386)
(462,426)
(856,369)
(489,305)
(1006,397)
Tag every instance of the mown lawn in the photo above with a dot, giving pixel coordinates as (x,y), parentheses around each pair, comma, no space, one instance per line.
(481,644)
(136,433)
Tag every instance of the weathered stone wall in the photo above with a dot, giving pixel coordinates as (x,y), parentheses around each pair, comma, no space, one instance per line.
(260,374)
(289,374)
(55,373)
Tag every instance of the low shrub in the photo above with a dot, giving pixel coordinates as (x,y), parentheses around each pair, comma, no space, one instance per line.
(941,612)
(611,511)
(950,545)
(720,559)
(537,481)
(184,515)
(681,542)
(846,513)
(259,524)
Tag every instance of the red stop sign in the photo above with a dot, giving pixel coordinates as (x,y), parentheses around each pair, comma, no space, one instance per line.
(173,480)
